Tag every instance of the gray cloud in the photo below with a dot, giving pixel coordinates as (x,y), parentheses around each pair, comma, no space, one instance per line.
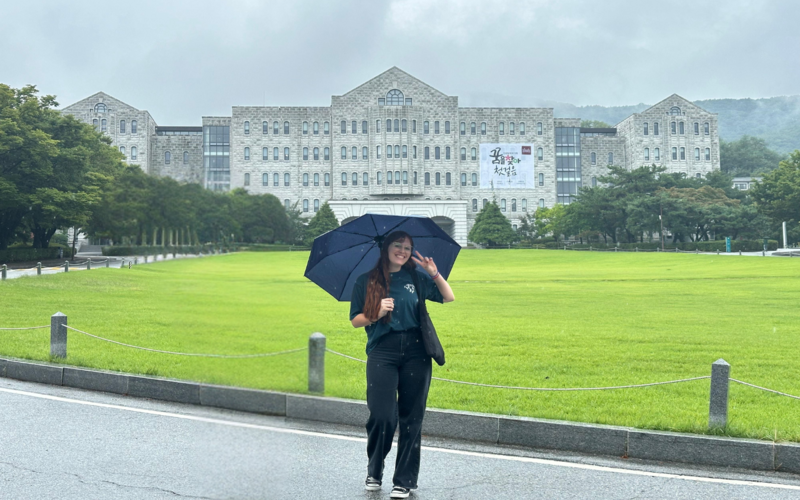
(182,60)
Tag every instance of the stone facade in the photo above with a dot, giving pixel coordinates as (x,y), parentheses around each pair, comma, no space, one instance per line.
(348,152)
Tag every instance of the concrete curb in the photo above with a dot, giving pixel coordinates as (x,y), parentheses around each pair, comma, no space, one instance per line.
(496,429)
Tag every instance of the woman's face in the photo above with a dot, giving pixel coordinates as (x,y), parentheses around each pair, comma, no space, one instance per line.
(400,251)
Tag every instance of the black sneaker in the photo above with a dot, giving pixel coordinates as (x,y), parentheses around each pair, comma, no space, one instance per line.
(399,492)
(373,484)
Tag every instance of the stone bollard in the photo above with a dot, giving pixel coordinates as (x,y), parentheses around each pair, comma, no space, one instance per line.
(66,266)
(136,261)
(38,269)
(129,264)
(316,363)
(145,258)
(718,405)
(4,271)
(89,265)
(58,335)
(740,252)
(108,262)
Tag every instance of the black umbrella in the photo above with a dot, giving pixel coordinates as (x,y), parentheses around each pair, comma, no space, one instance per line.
(340,256)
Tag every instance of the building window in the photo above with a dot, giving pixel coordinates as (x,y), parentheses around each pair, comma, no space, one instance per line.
(185,157)
(316,179)
(463,128)
(327,153)
(394,98)
(377,126)
(414,126)
(502,204)
(344,153)
(521,128)
(246,153)
(705,128)
(447,127)
(355,178)
(683,153)
(378,152)
(122,126)
(415,178)
(167,157)
(122,150)
(447,179)
(396,177)
(133,152)
(447,152)
(437,153)
(538,128)
(246,127)
(388,126)
(365,179)
(305,153)
(438,179)
(594,181)
(365,153)
(265,179)
(100,108)
(133,126)
(474,179)
(502,128)
(316,205)
(513,203)
(285,128)
(646,154)
(673,127)
(524,204)
(343,127)
(408,101)
(354,127)
(414,150)
(474,154)
(657,154)
(286,204)
(674,153)
(510,128)
(276,128)
(427,153)
(463,153)
(316,153)
(354,153)
(326,128)
(276,180)
(485,201)
(305,205)
(474,204)
(327,179)
(698,175)
(680,128)
(381,101)
(610,158)
(427,178)
(264,127)
(379,178)
(364,127)
(697,154)
(305,128)
(103,125)
(397,151)
(436,127)
(708,154)
(404,126)
(541,179)
(541,202)
(286,179)
(646,129)
(397,125)
(540,154)
(655,128)
(388,151)
(305,179)
(594,158)
(315,128)
(405,151)
(696,128)
(285,153)
(246,179)
(264,154)
(463,179)
(675,110)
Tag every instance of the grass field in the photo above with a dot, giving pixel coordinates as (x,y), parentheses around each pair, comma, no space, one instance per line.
(533,318)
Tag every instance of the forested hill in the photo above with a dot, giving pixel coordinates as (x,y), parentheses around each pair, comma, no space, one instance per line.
(775,119)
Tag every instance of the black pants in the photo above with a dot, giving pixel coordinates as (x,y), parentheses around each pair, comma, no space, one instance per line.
(398,378)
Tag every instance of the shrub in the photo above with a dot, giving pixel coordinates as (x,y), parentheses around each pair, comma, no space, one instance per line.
(28,254)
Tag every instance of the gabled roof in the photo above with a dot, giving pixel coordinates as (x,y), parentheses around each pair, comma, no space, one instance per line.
(388,74)
(97,96)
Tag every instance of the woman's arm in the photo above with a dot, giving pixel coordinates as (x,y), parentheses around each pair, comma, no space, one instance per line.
(441,283)
(360,320)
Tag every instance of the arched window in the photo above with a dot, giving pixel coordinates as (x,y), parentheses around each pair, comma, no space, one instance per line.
(378,152)
(122,150)
(538,128)
(286,204)
(364,127)
(133,152)
(436,127)
(327,179)
(510,128)
(397,151)
(265,179)
(594,181)
(327,153)
(305,153)
(541,179)
(697,153)
(513,202)
(427,178)
(305,128)
(305,205)
(344,178)
(397,125)
(405,176)
(246,179)
(680,128)
(276,180)
(354,153)
(674,153)
(696,128)
(610,158)
(675,110)
(541,202)
(437,153)
(379,178)
(683,153)
(377,126)
(502,128)
(246,127)
(286,128)
(315,128)
(285,153)
(246,153)
(502,204)
(594,158)
(316,153)
(462,128)
(103,125)
(415,177)
(673,126)
(540,154)
(657,154)
(413,126)
(167,157)
(438,179)
(426,127)
(646,154)
(344,152)
(483,128)
(404,126)
(447,152)
(389,151)
(365,153)
(447,179)
(474,179)
(388,126)
(264,154)
(708,154)
(100,108)
(122,126)
(316,179)
(133,126)
(275,154)
(365,179)
(264,127)
(326,127)
(354,127)
(405,151)
(655,128)
(646,129)
(185,157)
(276,128)
(485,201)
(706,128)
(305,179)
(395,98)
(447,127)
(521,128)
(524,204)
(316,205)
(427,153)
(474,154)
(286,179)
(463,153)
(474,204)
(472,128)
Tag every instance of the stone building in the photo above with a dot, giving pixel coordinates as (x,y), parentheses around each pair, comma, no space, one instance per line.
(396,145)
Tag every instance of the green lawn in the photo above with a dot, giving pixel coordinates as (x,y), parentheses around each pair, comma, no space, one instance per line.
(533,318)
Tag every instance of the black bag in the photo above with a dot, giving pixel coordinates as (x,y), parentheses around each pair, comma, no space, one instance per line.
(433,347)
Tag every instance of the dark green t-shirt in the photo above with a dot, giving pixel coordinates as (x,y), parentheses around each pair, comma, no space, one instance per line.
(406,313)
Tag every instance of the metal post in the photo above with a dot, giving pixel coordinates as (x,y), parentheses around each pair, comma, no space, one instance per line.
(66,266)
(58,335)
(38,268)
(316,363)
(718,406)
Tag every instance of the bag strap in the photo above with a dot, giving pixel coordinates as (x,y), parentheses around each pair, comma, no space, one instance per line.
(423,308)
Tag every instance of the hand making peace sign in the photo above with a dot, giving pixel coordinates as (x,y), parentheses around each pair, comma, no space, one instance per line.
(426,263)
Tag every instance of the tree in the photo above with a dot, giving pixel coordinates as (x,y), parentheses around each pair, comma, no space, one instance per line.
(322,222)
(595,124)
(491,227)
(747,156)
(297,225)
(778,194)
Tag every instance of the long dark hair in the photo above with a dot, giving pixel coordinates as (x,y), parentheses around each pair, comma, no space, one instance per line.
(379,278)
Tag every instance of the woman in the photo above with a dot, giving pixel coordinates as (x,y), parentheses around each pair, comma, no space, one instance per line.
(385,301)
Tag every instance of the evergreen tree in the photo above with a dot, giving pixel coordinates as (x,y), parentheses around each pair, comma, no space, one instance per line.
(492,227)
(323,221)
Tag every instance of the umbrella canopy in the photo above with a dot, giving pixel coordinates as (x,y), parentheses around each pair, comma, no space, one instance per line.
(340,256)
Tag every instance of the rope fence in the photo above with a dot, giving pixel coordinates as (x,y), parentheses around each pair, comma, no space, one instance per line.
(765,389)
(27,328)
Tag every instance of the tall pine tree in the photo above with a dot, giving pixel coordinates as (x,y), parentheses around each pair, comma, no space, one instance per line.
(492,227)
(323,221)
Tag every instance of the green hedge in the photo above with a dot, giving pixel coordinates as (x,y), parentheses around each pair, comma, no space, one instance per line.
(262,247)
(703,246)
(123,250)
(28,254)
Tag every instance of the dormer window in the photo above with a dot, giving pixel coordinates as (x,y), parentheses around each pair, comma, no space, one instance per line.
(100,108)
(395,98)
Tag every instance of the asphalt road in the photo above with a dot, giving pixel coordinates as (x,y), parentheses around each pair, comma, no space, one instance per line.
(64,443)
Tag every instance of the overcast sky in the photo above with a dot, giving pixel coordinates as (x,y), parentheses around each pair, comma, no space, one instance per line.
(181,60)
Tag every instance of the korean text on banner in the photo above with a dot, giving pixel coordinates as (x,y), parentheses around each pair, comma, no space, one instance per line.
(507,166)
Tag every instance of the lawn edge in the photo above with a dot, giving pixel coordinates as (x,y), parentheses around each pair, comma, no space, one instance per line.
(526,432)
